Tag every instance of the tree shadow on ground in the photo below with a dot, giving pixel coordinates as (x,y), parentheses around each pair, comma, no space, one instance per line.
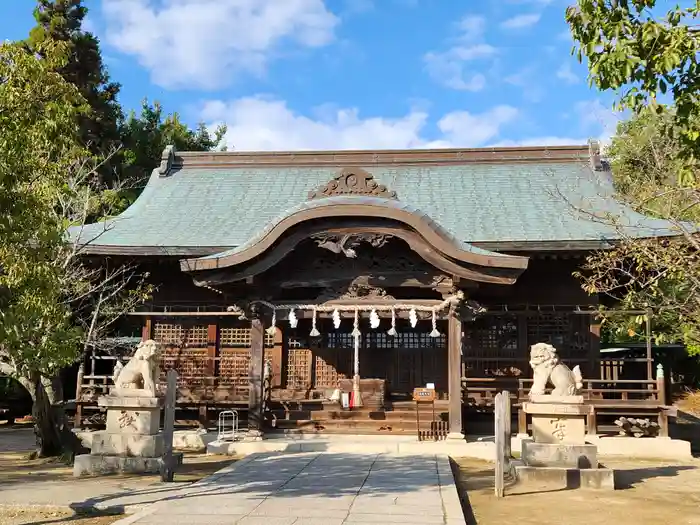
(628,478)
(291,475)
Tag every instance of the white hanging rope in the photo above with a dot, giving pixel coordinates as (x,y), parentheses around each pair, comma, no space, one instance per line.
(272,329)
(452,299)
(435,332)
(392,331)
(356,369)
(356,325)
(314,332)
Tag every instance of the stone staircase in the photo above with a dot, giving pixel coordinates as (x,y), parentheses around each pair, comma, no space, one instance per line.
(394,418)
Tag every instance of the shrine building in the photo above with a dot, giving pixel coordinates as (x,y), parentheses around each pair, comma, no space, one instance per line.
(282,276)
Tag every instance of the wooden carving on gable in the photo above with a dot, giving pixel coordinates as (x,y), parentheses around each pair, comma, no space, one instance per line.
(353,181)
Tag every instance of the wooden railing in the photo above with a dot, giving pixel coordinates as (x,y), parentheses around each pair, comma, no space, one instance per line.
(607,390)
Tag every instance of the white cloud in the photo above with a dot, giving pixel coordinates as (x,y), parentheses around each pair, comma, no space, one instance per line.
(594,116)
(206,43)
(521,21)
(529,82)
(260,123)
(544,141)
(472,28)
(450,67)
(566,74)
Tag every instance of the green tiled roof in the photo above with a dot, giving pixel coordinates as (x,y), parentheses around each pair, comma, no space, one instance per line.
(505,202)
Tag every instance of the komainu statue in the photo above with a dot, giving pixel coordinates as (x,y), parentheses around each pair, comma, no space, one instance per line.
(547,368)
(141,372)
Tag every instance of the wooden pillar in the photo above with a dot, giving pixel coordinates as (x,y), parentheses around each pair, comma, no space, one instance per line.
(454,351)
(212,332)
(147,331)
(255,376)
(594,348)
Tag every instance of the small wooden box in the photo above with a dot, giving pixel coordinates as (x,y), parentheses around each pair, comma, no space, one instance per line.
(423,395)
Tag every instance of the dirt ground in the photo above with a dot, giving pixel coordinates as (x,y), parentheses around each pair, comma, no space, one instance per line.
(42,475)
(53,517)
(649,492)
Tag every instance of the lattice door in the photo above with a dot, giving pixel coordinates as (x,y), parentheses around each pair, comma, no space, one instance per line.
(234,349)
(490,347)
(299,362)
(185,350)
(568,333)
(333,359)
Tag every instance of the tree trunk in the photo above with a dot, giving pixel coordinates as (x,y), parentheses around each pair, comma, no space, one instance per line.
(53,434)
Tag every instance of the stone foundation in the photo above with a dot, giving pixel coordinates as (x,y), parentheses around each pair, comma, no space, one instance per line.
(554,478)
(560,455)
(131,442)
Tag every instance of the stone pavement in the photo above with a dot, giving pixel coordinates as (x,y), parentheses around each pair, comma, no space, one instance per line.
(316,489)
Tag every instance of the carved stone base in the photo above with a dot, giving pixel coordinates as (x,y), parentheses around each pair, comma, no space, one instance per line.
(94,465)
(132,415)
(564,478)
(560,455)
(558,422)
(128,445)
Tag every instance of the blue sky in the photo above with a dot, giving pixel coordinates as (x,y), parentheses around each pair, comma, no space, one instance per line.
(350,74)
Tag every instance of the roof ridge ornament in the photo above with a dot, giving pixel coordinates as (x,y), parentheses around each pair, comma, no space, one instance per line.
(596,157)
(167,159)
(353,181)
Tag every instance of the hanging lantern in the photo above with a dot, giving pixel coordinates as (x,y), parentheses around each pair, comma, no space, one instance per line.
(293,321)
(314,332)
(272,329)
(413,317)
(392,331)
(374,319)
(435,332)
(336,318)
(356,324)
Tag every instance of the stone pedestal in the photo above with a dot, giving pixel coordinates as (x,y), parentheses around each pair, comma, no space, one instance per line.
(558,420)
(559,454)
(132,441)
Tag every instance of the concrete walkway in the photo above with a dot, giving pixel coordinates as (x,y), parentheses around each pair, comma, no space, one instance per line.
(316,489)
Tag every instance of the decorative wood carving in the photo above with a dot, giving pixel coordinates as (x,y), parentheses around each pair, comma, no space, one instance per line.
(353,181)
(395,260)
(347,243)
(358,292)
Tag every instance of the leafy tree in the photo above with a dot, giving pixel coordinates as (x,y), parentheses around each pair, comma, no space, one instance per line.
(650,61)
(660,275)
(644,58)
(145,136)
(53,303)
(60,21)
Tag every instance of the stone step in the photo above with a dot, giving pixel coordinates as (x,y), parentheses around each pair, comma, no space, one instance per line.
(352,425)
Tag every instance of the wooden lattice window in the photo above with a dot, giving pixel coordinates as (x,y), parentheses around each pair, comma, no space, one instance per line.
(234,366)
(333,359)
(299,360)
(194,336)
(568,333)
(240,338)
(490,347)
(193,366)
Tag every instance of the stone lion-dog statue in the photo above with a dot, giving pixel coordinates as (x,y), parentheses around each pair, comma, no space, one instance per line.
(141,372)
(546,367)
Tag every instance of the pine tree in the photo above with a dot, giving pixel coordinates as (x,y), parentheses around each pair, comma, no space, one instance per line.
(60,21)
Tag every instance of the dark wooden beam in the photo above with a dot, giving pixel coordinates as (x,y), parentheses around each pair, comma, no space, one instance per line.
(255,379)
